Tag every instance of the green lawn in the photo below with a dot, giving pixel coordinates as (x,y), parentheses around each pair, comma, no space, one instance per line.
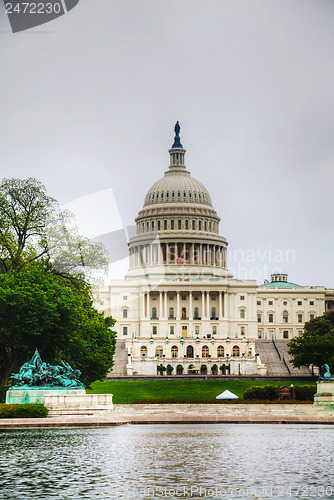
(129,391)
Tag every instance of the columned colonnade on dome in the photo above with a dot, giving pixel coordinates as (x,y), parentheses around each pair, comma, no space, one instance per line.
(202,254)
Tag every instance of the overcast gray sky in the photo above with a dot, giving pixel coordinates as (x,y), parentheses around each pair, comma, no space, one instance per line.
(89,102)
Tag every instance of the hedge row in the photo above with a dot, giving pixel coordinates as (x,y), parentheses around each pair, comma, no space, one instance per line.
(267,392)
(27,410)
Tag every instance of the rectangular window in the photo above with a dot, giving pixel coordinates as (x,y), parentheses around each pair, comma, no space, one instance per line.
(171,330)
(183,297)
(154,330)
(259,334)
(243,330)
(154,297)
(300,303)
(300,318)
(125,297)
(285,334)
(197,330)
(125,313)
(259,302)
(242,297)
(259,318)
(270,302)
(214,330)
(311,316)
(195,297)
(171,297)
(213,297)
(271,318)
(311,303)
(242,313)
(125,330)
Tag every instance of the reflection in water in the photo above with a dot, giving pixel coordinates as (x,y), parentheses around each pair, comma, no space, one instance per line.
(167,461)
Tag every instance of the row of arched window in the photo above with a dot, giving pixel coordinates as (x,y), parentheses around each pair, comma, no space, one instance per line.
(190,351)
(203,369)
(177,196)
(181,224)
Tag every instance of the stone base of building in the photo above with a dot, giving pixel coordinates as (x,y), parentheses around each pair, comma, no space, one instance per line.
(79,404)
(325,393)
(21,395)
(242,366)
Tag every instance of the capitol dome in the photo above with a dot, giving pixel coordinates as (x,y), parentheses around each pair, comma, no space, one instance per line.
(177,223)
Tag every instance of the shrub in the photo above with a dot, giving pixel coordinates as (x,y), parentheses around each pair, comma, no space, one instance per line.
(30,410)
(265,392)
(6,411)
(27,410)
(305,392)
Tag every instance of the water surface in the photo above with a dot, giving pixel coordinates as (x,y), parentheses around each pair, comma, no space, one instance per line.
(168,461)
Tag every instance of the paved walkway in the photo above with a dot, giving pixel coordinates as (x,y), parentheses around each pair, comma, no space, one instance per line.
(186,413)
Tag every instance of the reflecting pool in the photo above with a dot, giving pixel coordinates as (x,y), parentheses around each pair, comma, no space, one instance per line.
(168,461)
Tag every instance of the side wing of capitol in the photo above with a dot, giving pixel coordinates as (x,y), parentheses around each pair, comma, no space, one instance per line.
(179,310)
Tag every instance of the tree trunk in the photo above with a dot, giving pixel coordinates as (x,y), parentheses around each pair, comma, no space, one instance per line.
(7,371)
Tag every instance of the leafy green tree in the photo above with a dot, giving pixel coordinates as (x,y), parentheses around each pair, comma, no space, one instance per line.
(41,309)
(316,344)
(34,228)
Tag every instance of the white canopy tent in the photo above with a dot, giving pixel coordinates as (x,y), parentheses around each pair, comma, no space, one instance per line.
(227,395)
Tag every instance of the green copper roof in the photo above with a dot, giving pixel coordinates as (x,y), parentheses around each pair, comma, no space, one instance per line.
(280,284)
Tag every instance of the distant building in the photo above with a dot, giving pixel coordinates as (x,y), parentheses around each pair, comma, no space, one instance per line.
(179,307)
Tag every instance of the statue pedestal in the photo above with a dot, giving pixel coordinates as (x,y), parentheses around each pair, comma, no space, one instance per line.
(79,404)
(325,393)
(19,395)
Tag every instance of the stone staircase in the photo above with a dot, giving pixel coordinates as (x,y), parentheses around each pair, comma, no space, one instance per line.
(120,360)
(275,365)
(303,371)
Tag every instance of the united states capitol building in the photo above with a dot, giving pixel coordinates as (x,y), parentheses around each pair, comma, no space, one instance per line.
(179,311)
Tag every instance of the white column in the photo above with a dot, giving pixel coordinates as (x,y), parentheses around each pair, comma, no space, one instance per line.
(203,305)
(166,312)
(207,304)
(178,305)
(148,315)
(190,306)
(160,305)
(184,252)
(225,305)
(220,306)
(143,305)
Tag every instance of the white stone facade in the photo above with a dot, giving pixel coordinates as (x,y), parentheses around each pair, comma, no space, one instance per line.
(179,307)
